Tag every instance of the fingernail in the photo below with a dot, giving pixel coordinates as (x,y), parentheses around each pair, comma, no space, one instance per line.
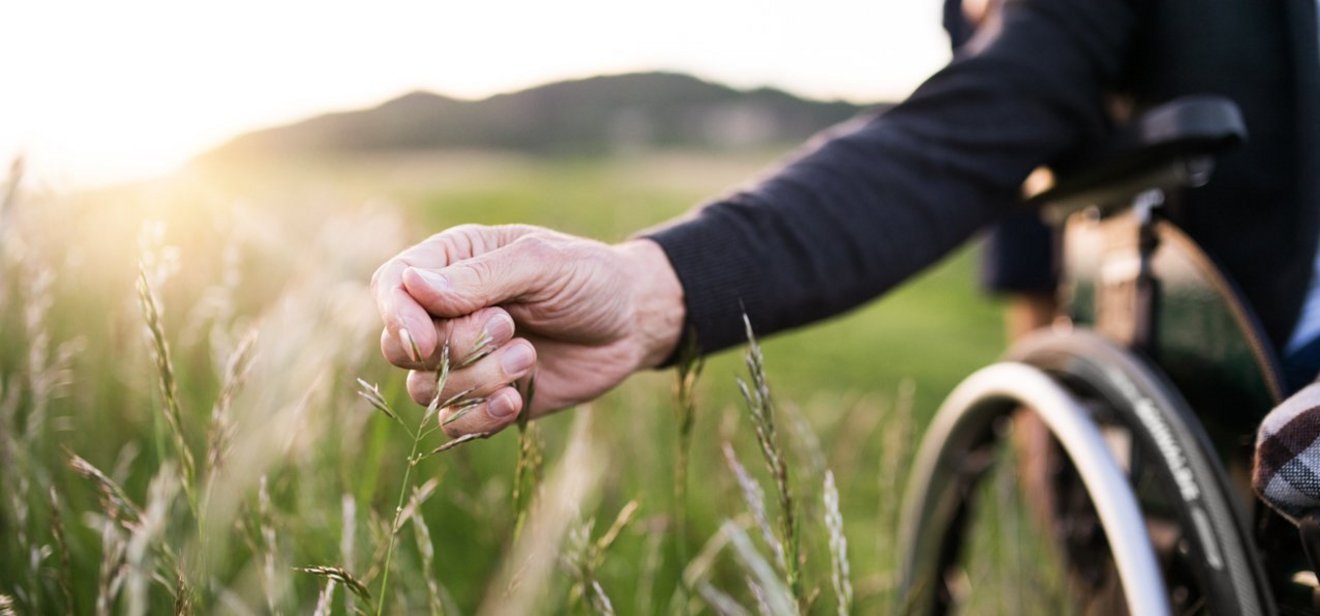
(517,359)
(500,406)
(432,279)
(499,327)
(409,346)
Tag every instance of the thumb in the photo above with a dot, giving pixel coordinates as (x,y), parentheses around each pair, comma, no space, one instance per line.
(507,274)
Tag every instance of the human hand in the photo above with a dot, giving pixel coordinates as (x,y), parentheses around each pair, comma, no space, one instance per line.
(513,300)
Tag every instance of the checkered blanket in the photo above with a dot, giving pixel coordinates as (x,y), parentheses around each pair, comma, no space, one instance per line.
(1287,472)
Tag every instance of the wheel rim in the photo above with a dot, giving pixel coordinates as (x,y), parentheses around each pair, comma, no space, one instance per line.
(933,502)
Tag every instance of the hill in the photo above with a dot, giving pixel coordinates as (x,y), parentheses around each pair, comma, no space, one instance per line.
(594,115)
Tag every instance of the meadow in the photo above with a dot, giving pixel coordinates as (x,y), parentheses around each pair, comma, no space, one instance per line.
(181,428)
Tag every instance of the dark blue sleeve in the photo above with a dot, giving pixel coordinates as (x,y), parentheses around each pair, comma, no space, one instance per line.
(872,202)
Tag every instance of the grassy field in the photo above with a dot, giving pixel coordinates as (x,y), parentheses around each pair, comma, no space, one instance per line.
(259,279)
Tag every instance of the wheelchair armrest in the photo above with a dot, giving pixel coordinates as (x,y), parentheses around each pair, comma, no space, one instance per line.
(1169,146)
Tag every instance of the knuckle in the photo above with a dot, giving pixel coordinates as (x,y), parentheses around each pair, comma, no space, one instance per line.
(448,234)
(466,238)
(537,247)
(468,229)
(511,232)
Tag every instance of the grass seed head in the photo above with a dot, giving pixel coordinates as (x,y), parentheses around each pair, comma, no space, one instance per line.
(342,576)
(371,393)
(169,388)
(116,503)
(843,591)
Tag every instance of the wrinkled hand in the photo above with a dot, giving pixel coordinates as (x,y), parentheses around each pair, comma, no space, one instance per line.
(518,300)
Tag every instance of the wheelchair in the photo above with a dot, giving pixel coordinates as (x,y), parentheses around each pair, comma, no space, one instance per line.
(1151,385)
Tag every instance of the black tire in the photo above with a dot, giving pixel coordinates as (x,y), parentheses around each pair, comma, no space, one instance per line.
(1214,568)
(1217,551)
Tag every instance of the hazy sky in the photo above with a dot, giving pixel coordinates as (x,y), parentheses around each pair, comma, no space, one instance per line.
(97,91)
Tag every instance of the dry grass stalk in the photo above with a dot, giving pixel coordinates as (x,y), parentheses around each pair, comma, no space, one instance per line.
(111,576)
(481,349)
(805,442)
(754,498)
(527,470)
(585,558)
(267,546)
(379,529)
(520,585)
(843,592)
(114,501)
(450,444)
(23,548)
(777,598)
(169,388)
(695,573)
(761,409)
(7,606)
(576,558)
(621,521)
(424,428)
(426,549)
(36,307)
(602,545)
(221,431)
(146,553)
(342,576)
(650,569)
(420,494)
(184,596)
(758,595)
(348,532)
(64,575)
(371,393)
(461,409)
(325,599)
(895,456)
(690,365)
(719,602)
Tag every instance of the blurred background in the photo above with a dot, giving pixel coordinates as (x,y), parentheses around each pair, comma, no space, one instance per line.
(199,197)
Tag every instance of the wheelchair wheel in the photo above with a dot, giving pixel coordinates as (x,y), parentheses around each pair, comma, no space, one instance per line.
(1140,511)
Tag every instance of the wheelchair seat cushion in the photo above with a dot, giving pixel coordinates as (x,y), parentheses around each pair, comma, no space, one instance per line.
(1287,467)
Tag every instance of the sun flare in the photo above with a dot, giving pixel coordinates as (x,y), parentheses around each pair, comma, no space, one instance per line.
(101,92)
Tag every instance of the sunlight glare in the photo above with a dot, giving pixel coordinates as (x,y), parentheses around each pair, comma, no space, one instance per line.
(99,92)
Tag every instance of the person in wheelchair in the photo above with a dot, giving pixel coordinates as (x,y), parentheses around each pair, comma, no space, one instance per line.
(868,204)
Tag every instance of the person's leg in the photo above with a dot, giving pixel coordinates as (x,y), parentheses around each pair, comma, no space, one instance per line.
(1286,473)
(1287,467)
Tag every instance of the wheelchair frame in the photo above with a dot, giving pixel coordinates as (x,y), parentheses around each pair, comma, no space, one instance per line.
(1118,363)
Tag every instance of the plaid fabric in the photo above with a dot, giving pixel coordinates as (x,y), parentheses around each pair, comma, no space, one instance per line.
(1287,470)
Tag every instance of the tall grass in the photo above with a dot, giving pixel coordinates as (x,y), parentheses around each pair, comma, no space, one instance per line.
(527,470)
(688,372)
(224,463)
(761,411)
